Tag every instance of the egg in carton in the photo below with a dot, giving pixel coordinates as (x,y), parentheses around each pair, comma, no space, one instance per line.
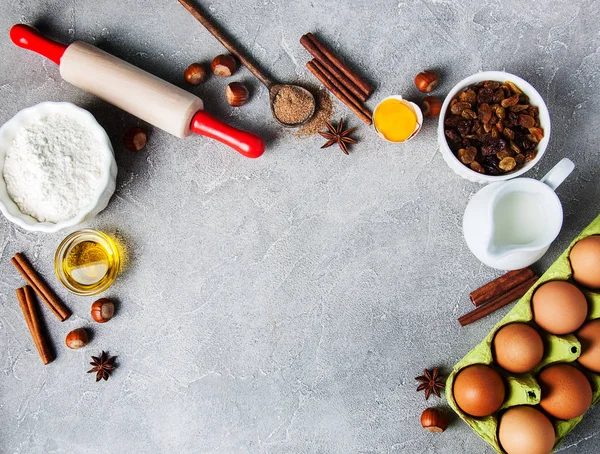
(524,389)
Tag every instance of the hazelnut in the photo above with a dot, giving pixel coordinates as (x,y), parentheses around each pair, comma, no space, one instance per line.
(427,80)
(135,139)
(103,310)
(223,65)
(434,420)
(77,338)
(432,105)
(236,94)
(195,74)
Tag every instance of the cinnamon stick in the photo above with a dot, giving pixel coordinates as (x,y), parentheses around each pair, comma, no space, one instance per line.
(44,292)
(360,83)
(338,94)
(500,286)
(331,78)
(512,295)
(308,44)
(30,313)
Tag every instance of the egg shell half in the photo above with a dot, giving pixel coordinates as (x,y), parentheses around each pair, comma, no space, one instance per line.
(559,307)
(526,430)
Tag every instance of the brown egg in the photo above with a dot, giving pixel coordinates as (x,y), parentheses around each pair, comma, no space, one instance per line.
(478,390)
(518,348)
(559,307)
(566,392)
(526,430)
(589,336)
(585,261)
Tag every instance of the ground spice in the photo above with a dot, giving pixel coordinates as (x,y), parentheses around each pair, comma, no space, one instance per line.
(323,112)
(292,105)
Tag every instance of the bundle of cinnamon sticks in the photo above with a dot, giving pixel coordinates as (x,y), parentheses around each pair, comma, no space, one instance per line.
(337,77)
(498,293)
(26,298)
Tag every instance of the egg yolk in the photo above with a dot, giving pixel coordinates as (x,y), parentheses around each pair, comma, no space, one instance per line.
(395,120)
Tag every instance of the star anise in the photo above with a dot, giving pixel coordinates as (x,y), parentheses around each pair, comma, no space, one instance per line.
(103,366)
(431,382)
(338,135)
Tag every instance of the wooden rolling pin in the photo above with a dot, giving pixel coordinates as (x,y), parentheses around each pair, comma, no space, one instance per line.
(134,90)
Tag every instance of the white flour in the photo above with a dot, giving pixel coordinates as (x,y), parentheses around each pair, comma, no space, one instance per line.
(53,168)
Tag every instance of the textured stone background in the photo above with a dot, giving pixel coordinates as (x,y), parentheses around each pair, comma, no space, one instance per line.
(283,304)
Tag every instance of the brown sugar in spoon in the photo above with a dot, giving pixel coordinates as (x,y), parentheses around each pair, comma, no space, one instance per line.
(291,105)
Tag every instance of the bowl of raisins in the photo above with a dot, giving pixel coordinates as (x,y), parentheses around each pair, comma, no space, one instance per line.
(493,126)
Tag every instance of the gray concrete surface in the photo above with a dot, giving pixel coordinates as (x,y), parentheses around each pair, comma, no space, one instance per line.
(283,305)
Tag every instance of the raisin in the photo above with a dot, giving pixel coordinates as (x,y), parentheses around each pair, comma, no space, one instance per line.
(520,159)
(508,133)
(468,96)
(513,118)
(452,121)
(485,96)
(498,95)
(508,102)
(507,164)
(491,84)
(518,107)
(477,167)
(469,114)
(530,155)
(493,146)
(513,88)
(467,155)
(452,135)
(458,107)
(537,133)
(484,113)
(503,154)
(464,126)
(526,121)
(500,112)
(515,148)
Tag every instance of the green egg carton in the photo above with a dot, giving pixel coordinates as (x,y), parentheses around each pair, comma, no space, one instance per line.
(523,389)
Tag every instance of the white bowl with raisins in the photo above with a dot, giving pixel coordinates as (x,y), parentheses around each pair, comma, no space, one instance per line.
(493,126)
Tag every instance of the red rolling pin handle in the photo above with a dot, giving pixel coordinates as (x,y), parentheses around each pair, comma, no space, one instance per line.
(246,143)
(29,38)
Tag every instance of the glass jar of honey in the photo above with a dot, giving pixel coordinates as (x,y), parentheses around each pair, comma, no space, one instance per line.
(87,262)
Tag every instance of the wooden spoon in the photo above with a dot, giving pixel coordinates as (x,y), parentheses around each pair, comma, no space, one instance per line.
(273,87)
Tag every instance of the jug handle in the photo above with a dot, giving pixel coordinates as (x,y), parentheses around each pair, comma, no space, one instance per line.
(558,173)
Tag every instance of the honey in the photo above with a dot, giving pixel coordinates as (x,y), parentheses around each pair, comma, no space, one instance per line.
(396,119)
(87,262)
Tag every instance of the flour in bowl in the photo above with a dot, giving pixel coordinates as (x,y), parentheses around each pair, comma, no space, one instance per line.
(54,168)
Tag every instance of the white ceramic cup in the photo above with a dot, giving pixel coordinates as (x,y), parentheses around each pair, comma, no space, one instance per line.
(106,189)
(534,97)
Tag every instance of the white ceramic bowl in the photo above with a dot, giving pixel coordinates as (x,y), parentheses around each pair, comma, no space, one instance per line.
(535,99)
(105,191)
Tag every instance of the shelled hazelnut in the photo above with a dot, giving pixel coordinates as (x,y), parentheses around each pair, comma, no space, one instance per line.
(135,139)
(427,80)
(236,94)
(432,106)
(195,74)
(77,338)
(223,65)
(103,310)
(434,420)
